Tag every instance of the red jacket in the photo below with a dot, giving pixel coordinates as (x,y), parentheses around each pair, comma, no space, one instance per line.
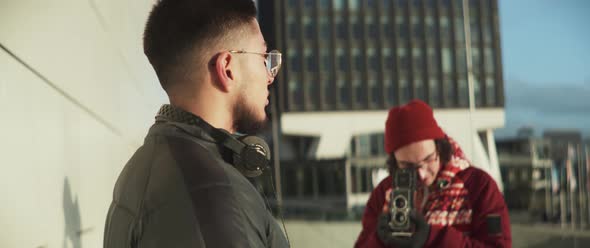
(467,226)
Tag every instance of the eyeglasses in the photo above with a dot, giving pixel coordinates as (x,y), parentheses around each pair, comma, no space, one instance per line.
(433,157)
(272,60)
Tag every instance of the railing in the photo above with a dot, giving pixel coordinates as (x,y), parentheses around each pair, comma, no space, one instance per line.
(568,194)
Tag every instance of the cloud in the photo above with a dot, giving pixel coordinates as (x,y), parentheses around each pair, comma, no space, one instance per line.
(546,106)
(554,98)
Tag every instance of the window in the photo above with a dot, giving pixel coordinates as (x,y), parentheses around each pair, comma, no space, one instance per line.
(477,91)
(356,28)
(360,91)
(292,26)
(486,24)
(447,66)
(417,3)
(388,57)
(309,3)
(430,28)
(342,60)
(444,28)
(419,90)
(387,29)
(294,62)
(463,93)
(418,61)
(358,60)
(332,180)
(459,29)
(404,88)
(432,61)
(389,62)
(434,91)
(310,60)
(391,91)
(295,92)
(353,4)
(309,28)
(373,60)
(402,27)
(449,88)
(432,3)
(324,28)
(343,92)
(403,59)
(490,91)
(375,92)
(489,58)
(338,4)
(326,62)
(461,60)
(387,4)
(329,89)
(372,30)
(325,4)
(417,27)
(312,91)
(474,28)
(305,178)
(475,59)
(341,28)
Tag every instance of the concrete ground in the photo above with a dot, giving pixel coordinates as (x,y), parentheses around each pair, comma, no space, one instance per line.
(326,234)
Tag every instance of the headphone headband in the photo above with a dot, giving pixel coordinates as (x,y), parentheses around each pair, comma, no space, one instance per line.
(250,153)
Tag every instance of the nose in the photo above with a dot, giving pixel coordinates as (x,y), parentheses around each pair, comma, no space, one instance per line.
(422,174)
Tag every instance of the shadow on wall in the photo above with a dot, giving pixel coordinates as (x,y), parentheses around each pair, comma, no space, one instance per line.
(73,221)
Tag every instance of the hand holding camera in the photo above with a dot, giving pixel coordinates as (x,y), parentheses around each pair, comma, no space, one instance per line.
(400,224)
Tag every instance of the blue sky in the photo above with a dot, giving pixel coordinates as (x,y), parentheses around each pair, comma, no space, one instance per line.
(546,63)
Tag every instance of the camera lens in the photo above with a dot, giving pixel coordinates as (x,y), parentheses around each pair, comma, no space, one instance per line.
(400,202)
(400,217)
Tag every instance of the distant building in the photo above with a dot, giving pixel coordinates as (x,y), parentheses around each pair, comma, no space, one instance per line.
(346,62)
(560,139)
(525,164)
(547,176)
(525,132)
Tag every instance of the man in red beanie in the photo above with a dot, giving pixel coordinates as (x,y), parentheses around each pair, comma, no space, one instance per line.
(463,206)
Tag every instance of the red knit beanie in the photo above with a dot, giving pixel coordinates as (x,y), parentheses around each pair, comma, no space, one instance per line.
(410,123)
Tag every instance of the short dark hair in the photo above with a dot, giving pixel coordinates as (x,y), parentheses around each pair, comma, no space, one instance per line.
(175,27)
(443,147)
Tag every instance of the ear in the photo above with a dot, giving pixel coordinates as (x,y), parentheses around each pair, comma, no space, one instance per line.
(223,69)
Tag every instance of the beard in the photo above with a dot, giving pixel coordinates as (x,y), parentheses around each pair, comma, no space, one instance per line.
(245,119)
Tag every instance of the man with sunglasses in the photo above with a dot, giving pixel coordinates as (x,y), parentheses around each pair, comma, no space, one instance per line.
(180,188)
(457,204)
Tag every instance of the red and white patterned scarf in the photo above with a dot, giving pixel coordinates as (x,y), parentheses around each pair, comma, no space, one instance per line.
(447,202)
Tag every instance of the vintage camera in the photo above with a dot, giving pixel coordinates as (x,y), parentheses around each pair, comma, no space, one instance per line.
(402,201)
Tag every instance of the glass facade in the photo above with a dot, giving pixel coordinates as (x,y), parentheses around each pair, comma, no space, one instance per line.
(355,55)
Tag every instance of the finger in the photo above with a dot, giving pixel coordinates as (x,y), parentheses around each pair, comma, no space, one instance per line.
(385,208)
(388,195)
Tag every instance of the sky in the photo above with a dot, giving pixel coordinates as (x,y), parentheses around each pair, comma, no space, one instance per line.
(546,64)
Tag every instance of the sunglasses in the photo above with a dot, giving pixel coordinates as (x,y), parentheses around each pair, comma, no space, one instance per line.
(272,60)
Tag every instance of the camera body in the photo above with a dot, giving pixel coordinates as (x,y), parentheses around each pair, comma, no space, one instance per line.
(402,201)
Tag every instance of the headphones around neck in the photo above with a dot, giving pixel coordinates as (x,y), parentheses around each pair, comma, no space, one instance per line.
(251,154)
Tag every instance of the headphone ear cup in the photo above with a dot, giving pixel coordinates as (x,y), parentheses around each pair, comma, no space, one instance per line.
(254,158)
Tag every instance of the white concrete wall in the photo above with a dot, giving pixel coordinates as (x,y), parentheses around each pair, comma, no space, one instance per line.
(64,142)
(337,128)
